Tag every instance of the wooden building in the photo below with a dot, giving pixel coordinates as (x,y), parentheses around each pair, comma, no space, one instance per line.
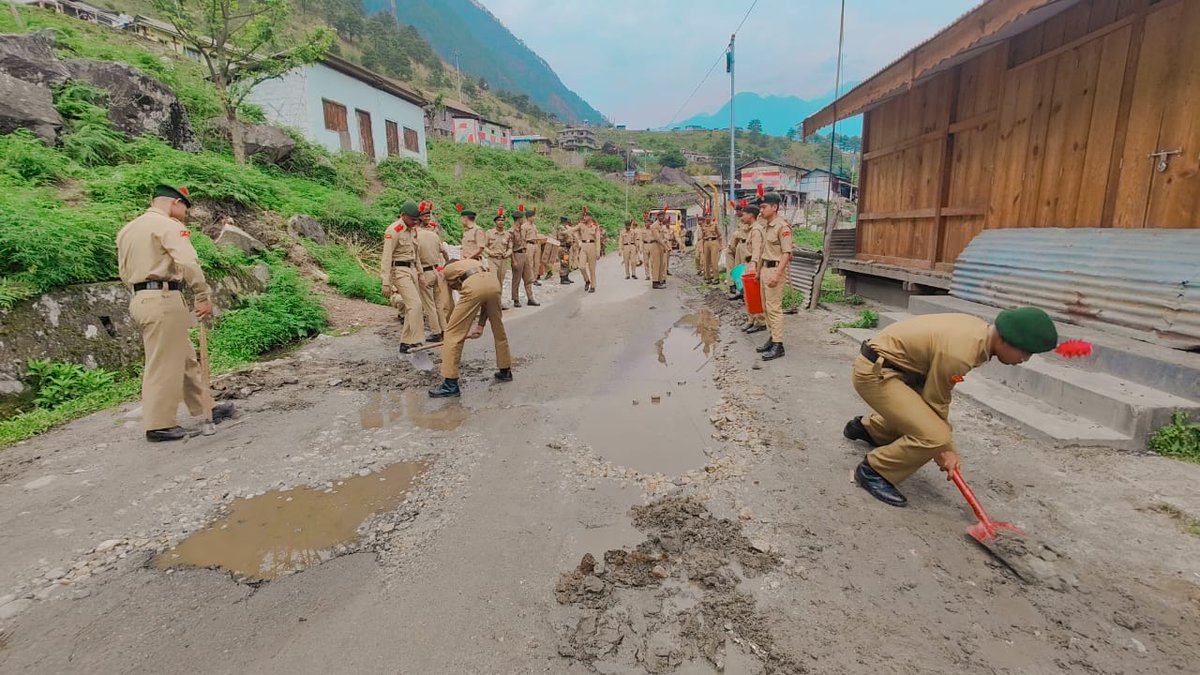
(1027,114)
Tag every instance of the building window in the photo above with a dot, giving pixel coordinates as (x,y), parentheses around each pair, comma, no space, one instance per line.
(393,137)
(335,116)
(365,137)
(411,142)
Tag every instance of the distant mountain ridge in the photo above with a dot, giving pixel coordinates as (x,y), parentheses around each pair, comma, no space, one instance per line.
(777,113)
(488,49)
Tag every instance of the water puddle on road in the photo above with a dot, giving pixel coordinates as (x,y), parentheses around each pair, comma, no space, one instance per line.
(287,531)
(412,406)
(652,415)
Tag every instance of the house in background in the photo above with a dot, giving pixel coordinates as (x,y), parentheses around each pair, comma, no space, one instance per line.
(343,106)
(481,131)
(774,176)
(575,139)
(820,184)
(440,118)
(694,157)
(164,34)
(538,144)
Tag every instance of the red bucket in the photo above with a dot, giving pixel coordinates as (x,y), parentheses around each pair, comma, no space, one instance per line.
(753,292)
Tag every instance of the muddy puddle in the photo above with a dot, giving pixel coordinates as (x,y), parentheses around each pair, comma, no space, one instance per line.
(412,407)
(286,531)
(651,414)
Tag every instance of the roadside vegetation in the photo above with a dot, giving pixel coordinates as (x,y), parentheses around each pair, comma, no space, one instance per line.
(1179,439)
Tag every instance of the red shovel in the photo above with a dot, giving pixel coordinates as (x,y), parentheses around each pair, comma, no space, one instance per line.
(985,530)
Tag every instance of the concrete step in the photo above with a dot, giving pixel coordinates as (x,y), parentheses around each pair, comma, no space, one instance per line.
(1128,407)
(1170,370)
(1053,425)
(888,318)
(858,334)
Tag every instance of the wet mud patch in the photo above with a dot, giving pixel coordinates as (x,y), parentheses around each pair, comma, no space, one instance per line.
(673,599)
(1032,560)
(281,532)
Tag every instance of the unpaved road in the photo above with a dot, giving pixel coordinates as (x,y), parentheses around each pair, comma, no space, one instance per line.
(640,499)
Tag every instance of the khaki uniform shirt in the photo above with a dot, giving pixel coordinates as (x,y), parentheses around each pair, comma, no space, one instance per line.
(499,245)
(777,238)
(399,244)
(659,234)
(940,346)
(429,248)
(564,235)
(710,232)
(587,233)
(525,238)
(628,238)
(156,247)
(474,240)
(755,240)
(737,243)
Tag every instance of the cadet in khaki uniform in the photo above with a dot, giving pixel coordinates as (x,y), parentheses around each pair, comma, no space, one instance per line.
(643,233)
(564,234)
(398,269)
(737,251)
(659,246)
(907,374)
(755,323)
(499,246)
(629,249)
(478,304)
(773,274)
(710,249)
(588,235)
(474,238)
(429,260)
(535,250)
(524,245)
(156,258)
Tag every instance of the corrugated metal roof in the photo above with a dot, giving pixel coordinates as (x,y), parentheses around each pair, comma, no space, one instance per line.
(1141,283)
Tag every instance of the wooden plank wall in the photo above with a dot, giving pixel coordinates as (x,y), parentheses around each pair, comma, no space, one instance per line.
(1051,128)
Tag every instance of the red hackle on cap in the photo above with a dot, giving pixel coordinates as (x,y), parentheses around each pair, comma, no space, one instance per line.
(520,208)
(500,211)
(760,191)
(585,210)
(459,207)
(183,191)
(745,202)
(1073,349)
(423,206)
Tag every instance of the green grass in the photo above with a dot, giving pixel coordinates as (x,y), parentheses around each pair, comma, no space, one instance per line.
(347,272)
(833,290)
(285,313)
(793,298)
(38,420)
(809,239)
(1179,439)
(868,318)
(1186,523)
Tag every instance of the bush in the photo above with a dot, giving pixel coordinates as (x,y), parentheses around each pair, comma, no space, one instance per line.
(868,318)
(346,272)
(1179,439)
(605,163)
(285,313)
(58,383)
(25,160)
(91,140)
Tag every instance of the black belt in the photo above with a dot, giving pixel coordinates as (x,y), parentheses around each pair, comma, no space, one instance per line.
(158,286)
(914,380)
(429,268)
(712,239)
(402,263)
(519,250)
(770,263)
(466,274)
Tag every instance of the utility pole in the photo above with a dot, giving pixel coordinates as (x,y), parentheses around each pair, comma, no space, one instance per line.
(459,71)
(732,128)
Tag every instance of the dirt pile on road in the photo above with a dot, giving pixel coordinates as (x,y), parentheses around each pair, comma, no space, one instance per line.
(672,599)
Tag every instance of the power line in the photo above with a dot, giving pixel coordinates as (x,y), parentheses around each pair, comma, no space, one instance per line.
(688,100)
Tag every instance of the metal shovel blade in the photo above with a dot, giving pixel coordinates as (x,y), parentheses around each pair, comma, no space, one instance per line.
(420,359)
(986,534)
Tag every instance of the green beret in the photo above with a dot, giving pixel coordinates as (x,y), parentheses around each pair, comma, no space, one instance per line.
(517,214)
(468,214)
(771,198)
(751,209)
(1028,329)
(564,219)
(169,192)
(411,210)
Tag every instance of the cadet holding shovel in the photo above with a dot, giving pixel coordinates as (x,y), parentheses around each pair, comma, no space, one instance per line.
(478,304)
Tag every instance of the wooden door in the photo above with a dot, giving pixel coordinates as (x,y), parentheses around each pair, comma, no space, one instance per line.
(365,137)
(1164,116)
(393,138)
(335,121)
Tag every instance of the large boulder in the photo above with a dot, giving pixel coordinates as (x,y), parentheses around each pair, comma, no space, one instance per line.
(138,104)
(30,57)
(235,237)
(28,106)
(271,143)
(308,228)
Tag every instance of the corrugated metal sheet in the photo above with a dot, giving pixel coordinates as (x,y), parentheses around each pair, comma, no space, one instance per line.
(802,273)
(841,244)
(1141,283)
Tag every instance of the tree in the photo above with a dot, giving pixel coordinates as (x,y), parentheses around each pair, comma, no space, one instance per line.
(239,40)
(672,158)
(483,83)
(604,163)
(755,127)
(791,133)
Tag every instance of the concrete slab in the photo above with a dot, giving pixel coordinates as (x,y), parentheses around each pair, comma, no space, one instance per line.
(1040,420)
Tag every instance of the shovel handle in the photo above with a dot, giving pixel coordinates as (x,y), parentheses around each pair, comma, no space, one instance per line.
(205,373)
(970,497)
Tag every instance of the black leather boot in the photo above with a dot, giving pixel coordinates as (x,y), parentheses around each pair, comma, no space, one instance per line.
(855,431)
(504,375)
(878,486)
(757,328)
(775,352)
(436,337)
(446,389)
(766,347)
(168,434)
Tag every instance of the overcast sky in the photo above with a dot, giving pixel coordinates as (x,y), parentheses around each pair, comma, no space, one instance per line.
(636,61)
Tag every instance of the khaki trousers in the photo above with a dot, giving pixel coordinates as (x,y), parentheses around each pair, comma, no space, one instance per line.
(552,259)
(445,300)
(501,267)
(629,255)
(589,252)
(656,255)
(522,272)
(407,298)
(480,292)
(429,302)
(710,258)
(574,256)
(913,433)
(172,372)
(773,303)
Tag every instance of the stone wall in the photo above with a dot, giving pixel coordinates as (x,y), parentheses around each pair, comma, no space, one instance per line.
(87,324)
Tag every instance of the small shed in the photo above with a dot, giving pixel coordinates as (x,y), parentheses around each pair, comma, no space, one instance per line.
(481,131)
(538,144)
(1025,114)
(774,176)
(440,118)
